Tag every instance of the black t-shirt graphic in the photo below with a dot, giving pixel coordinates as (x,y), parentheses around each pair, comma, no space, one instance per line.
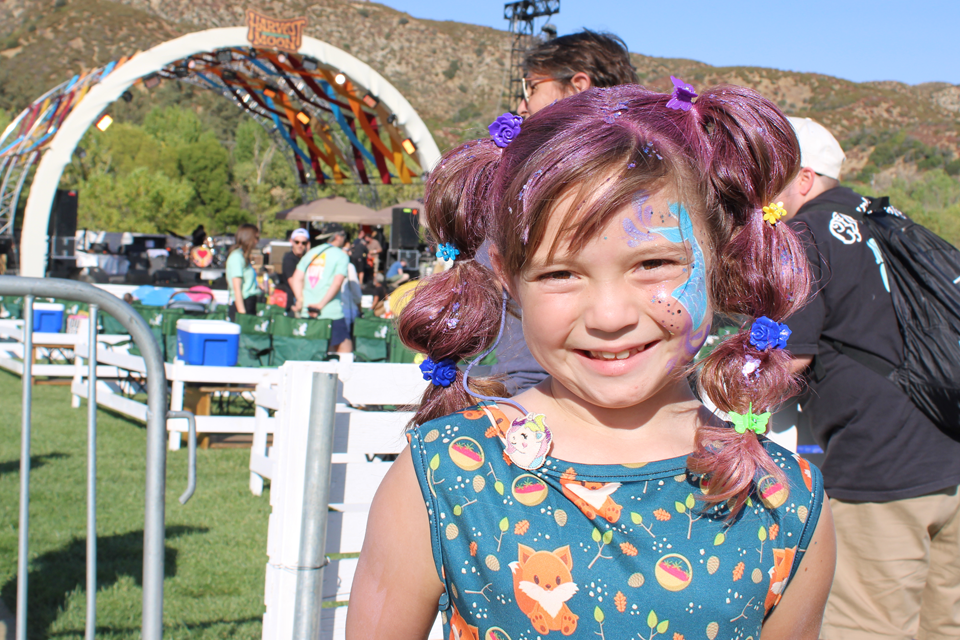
(878,445)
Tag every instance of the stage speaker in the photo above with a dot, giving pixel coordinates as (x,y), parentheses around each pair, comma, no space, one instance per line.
(63,215)
(405,230)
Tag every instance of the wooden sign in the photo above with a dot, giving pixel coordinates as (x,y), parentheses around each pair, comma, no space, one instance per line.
(267,33)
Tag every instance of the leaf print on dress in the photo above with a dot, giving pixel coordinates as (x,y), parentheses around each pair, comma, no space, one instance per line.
(542,585)
(592,498)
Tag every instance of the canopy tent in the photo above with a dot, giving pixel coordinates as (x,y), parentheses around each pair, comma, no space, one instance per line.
(335,209)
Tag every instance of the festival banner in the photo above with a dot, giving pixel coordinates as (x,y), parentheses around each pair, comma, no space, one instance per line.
(267,33)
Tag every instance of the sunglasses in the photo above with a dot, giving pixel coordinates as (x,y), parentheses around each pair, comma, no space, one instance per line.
(529,86)
(301,242)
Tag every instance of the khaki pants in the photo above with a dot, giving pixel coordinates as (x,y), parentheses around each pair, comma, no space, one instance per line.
(898,570)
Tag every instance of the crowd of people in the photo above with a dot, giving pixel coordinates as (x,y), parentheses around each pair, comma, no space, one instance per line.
(323,275)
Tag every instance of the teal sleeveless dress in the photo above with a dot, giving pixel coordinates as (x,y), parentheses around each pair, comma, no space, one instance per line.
(606,551)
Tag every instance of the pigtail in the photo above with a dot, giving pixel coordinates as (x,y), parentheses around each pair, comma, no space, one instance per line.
(761,270)
(455,314)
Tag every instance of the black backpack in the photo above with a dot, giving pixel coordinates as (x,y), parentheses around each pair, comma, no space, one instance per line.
(923,273)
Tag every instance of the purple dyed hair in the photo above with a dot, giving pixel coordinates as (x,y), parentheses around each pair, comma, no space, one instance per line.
(732,153)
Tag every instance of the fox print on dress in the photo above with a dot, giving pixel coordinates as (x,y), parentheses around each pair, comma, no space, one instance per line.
(543,584)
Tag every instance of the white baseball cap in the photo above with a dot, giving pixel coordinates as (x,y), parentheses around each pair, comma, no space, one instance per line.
(819,150)
(300,233)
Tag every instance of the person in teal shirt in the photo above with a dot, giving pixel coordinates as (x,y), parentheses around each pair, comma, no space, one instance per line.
(241,276)
(316,284)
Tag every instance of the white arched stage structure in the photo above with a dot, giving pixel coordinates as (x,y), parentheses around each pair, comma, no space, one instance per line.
(34,245)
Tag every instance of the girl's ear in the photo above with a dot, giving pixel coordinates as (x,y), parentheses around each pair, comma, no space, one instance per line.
(505,280)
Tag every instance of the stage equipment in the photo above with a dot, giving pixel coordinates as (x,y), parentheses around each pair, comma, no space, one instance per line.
(522,16)
(405,229)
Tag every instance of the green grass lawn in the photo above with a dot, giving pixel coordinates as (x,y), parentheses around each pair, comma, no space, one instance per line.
(215,544)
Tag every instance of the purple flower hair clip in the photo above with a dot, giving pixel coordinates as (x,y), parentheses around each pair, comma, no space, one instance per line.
(504,129)
(441,374)
(766,333)
(683,95)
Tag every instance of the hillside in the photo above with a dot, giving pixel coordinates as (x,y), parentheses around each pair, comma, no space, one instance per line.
(453,73)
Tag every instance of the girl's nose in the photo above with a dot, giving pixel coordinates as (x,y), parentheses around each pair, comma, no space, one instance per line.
(613,308)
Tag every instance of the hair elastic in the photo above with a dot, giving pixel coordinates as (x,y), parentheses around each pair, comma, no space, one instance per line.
(447,251)
(504,129)
(683,96)
(766,334)
(773,212)
(466,374)
(750,421)
(440,374)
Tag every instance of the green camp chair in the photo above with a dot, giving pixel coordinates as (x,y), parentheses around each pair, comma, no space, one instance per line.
(303,339)
(255,340)
(370,337)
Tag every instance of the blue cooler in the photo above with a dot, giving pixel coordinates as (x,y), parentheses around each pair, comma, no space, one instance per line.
(48,317)
(211,343)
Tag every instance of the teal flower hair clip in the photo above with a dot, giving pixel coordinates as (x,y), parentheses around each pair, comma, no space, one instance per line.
(750,421)
(447,251)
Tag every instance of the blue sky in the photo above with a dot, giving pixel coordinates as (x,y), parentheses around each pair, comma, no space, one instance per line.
(858,40)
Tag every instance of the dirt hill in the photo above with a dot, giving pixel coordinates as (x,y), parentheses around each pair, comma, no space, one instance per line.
(453,73)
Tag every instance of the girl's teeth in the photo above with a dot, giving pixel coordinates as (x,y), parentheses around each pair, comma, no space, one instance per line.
(606,355)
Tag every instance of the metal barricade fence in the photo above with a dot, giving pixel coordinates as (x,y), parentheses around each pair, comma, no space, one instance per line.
(153,530)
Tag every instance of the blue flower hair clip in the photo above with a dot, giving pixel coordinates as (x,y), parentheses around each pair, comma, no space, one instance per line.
(683,95)
(441,374)
(766,333)
(447,251)
(504,129)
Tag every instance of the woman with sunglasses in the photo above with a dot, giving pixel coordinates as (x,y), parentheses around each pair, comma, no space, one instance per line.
(299,244)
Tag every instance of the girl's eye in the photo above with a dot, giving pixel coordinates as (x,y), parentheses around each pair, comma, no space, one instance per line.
(647,265)
(556,275)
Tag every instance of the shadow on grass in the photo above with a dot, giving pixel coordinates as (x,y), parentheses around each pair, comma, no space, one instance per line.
(55,574)
(187,626)
(13,466)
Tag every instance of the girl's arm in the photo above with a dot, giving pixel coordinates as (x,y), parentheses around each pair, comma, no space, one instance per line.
(237,294)
(800,612)
(396,587)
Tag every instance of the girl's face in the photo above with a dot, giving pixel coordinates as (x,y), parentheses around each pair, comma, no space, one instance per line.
(614,322)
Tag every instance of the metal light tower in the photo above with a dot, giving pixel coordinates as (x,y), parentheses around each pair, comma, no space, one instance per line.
(522,15)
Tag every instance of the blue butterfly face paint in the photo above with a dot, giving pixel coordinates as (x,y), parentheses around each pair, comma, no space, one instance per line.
(690,296)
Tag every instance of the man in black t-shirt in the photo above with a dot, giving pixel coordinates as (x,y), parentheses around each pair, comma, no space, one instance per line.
(358,255)
(891,474)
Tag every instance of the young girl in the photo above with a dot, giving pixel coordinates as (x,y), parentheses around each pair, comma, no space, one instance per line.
(606,501)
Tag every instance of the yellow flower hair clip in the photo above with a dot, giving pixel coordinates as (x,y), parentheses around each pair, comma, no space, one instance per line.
(773,212)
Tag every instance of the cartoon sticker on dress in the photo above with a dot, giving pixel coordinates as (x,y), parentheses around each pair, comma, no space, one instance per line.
(779,575)
(460,630)
(528,441)
(844,228)
(592,498)
(542,585)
